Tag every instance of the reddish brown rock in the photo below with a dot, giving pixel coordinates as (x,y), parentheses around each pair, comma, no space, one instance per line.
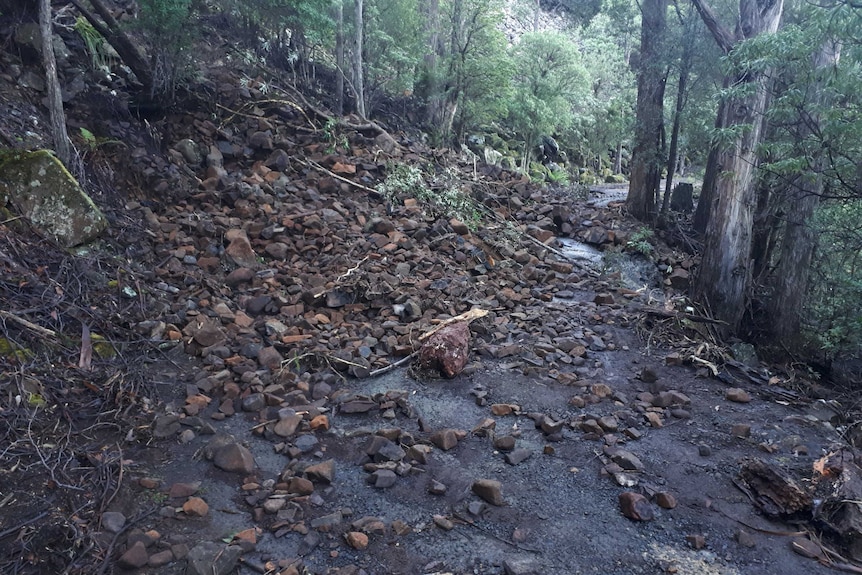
(239,249)
(635,506)
(737,395)
(665,500)
(357,540)
(135,557)
(323,472)
(195,507)
(447,350)
(489,490)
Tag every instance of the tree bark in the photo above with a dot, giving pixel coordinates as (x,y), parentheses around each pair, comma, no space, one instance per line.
(799,241)
(725,269)
(55,100)
(647,155)
(358,83)
(339,57)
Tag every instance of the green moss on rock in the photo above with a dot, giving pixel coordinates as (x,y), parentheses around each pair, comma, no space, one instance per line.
(38,187)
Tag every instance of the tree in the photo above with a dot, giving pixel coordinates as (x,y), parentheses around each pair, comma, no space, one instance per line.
(358,72)
(724,274)
(648,153)
(549,79)
(55,101)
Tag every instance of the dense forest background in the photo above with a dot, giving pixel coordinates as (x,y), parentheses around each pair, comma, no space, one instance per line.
(758,99)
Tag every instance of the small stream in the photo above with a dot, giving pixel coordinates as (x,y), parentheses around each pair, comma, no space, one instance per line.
(636,271)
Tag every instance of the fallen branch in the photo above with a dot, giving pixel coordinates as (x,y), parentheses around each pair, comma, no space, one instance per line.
(318,167)
(467,316)
(29,325)
(677,315)
(392,366)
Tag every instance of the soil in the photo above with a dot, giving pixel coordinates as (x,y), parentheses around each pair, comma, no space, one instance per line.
(81,446)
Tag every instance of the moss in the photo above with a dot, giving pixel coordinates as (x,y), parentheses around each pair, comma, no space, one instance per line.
(46,193)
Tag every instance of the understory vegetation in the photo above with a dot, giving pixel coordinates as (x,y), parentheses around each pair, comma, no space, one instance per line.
(585,93)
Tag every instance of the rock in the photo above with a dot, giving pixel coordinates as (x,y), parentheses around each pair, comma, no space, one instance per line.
(696,541)
(648,375)
(436,488)
(447,350)
(737,395)
(517,456)
(135,556)
(665,500)
(270,358)
(382,478)
(239,276)
(357,540)
(161,558)
(300,486)
(113,521)
(744,538)
(489,490)
(626,459)
(741,430)
(446,439)
(234,457)
(209,558)
(195,507)
(239,249)
(521,566)
(183,490)
(49,197)
(286,426)
(323,472)
(635,506)
(443,523)
(504,443)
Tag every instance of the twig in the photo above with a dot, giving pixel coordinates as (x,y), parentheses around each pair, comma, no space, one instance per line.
(11,530)
(392,366)
(318,167)
(494,535)
(29,325)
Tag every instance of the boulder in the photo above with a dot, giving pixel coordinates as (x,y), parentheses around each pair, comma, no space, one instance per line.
(42,190)
(447,350)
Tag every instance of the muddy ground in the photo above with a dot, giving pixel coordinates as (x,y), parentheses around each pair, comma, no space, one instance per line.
(232,226)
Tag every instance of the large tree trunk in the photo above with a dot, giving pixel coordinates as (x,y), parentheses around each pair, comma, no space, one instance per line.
(435,100)
(358,83)
(55,100)
(798,243)
(647,156)
(725,269)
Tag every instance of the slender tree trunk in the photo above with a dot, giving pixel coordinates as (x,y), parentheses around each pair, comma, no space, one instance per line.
(339,57)
(434,98)
(647,155)
(710,176)
(536,15)
(799,241)
(618,159)
(358,84)
(55,101)
(725,270)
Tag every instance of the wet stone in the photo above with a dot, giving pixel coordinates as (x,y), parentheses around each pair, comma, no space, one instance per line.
(322,472)
(436,488)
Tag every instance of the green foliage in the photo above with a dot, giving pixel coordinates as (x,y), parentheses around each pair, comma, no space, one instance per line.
(442,194)
(641,241)
(95,43)
(549,79)
(333,136)
(393,48)
(167,26)
(833,318)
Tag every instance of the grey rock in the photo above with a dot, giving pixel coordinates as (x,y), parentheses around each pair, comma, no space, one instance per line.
(209,558)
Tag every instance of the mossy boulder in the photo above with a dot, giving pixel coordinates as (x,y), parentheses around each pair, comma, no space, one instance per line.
(38,187)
